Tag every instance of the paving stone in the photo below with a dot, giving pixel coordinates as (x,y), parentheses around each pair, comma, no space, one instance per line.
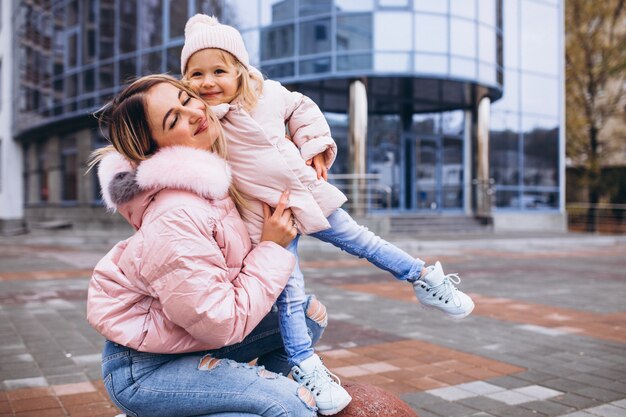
(575,400)
(548,408)
(508,382)
(564,384)
(599,394)
(510,397)
(607,410)
(481,403)
(535,391)
(450,409)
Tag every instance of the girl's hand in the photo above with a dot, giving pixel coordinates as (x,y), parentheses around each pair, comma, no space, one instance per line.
(279,226)
(319,163)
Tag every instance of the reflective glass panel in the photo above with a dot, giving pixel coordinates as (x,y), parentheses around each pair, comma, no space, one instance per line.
(313,7)
(315,37)
(178,18)
(431,64)
(392,62)
(273,11)
(384,160)
(151,63)
(315,66)
(453,122)
(431,33)
(354,5)
(426,174)
(128,26)
(354,62)
(540,200)
(487,11)
(243,13)
(107,28)
(106,74)
(539,46)
(541,152)
(465,68)
(540,95)
(277,42)
(279,70)
(151,33)
(452,172)
(487,44)
(393,3)
(510,97)
(431,6)
(510,30)
(507,199)
(398,39)
(463,8)
(172,66)
(426,123)
(128,69)
(354,32)
(463,37)
(504,157)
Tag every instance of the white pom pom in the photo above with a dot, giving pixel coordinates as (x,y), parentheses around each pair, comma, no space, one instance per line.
(198,21)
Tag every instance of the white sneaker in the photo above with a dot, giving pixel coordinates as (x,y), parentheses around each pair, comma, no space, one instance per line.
(437,290)
(325,386)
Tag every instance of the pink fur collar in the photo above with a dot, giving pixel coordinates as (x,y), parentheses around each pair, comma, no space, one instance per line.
(184,168)
(178,167)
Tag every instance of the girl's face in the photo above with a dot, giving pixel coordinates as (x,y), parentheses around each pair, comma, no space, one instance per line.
(214,79)
(176,118)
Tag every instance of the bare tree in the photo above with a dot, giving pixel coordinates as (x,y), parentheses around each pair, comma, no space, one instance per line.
(596,76)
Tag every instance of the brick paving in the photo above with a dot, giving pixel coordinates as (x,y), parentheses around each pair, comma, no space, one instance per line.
(547,337)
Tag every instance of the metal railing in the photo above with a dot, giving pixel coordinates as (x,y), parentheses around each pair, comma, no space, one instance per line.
(601,218)
(365,192)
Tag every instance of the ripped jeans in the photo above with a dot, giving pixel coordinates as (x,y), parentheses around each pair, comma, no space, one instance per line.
(217,383)
(357,240)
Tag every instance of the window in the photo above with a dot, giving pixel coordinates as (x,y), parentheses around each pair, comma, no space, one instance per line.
(315,37)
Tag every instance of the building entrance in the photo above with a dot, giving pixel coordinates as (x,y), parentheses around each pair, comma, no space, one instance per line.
(434,174)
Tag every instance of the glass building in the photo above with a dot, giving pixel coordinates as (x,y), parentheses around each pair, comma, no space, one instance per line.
(464,98)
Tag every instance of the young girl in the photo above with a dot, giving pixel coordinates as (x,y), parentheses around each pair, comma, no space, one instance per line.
(185,302)
(254,115)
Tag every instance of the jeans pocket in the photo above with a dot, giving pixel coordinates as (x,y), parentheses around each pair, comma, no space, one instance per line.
(108,384)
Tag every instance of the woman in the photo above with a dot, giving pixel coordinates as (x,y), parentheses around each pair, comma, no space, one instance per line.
(185,303)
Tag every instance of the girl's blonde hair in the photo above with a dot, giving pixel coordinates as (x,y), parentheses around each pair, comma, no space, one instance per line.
(249,83)
(125,119)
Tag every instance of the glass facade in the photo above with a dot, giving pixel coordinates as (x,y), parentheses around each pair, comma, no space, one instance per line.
(425,64)
(525,123)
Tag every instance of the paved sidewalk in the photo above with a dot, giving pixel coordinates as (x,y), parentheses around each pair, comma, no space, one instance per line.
(547,338)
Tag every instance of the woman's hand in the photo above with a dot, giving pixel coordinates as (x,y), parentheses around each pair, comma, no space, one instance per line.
(279,226)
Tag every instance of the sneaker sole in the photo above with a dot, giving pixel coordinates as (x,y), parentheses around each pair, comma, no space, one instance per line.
(451,316)
(336,409)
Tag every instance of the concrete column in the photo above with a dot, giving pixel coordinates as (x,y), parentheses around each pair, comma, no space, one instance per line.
(11,159)
(483,181)
(357,139)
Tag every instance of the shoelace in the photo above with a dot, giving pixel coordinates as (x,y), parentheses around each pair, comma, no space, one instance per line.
(447,289)
(317,376)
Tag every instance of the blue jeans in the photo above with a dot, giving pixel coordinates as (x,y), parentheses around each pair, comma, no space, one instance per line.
(355,239)
(179,385)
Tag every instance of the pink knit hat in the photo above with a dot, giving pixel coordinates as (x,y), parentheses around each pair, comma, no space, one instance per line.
(202,31)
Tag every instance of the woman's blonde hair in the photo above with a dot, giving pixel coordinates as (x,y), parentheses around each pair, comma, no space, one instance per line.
(249,83)
(125,119)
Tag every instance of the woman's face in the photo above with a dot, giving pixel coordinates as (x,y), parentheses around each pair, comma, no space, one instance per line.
(211,77)
(176,118)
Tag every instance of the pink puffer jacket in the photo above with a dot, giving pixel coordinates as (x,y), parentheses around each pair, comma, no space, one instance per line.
(187,279)
(265,163)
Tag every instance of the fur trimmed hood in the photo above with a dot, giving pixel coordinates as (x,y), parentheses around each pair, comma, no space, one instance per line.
(175,167)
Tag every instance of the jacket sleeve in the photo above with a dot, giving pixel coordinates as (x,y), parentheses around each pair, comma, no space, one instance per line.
(189,274)
(308,127)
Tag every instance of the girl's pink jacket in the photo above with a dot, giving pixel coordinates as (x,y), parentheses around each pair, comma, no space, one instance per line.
(187,280)
(265,163)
